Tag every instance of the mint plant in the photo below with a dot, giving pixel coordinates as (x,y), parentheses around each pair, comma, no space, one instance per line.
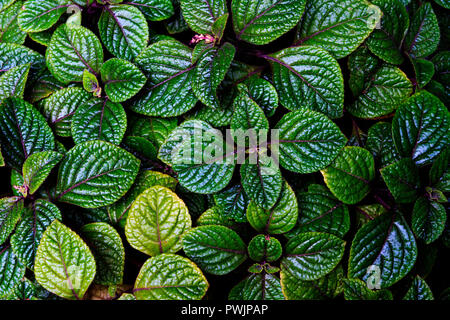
(299,149)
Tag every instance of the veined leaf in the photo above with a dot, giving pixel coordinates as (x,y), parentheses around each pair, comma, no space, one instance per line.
(170,277)
(14,55)
(44,85)
(232,203)
(263,93)
(64,264)
(428,219)
(37,167)
(310,256)
(155,10)
(419,290)
(95,174)
(247,114)
(9,27)
(261,22)
(424,70)
(12,82)
(262,286)
(200,15)
(355,289)
(385,242)
(12,270)
(10,212)
(40,15)
(157,221)
(362,65)
(28,234)
(4,4)
(402,179)
(381,145)
(264,248)
(216,249)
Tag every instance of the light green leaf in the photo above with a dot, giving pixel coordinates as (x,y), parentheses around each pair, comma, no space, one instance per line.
(72,50)
(215,216)
(157,221)
(30,229)
(419,290)
(90,83)
(99,119)
(310,256)
(38,15)
(122,79)
(12,270)
(95,174)
(12,82)
(37,167)
(337,26)
(260,22)
(385,242)
(349,175)
(403,180)
(428,220)
(4,4)
(123,30)
(200,15)
(309,141)
(216,249)
(64,264)
(10,212)
(108,251)
(170,277)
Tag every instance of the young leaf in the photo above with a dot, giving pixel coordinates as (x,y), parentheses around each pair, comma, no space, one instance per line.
(402,179)
(308,77)
(24,131)
(385,242)
(247,114)
(346,26)
(264,248)
(99,119)
(421,127)
(90,83)
(170,277)
(279,219)
(123,30)
(37,167)
(428,220)
(30,229)
(157,221)
(95,174)
(216,249)
(312,255)
(349,175)
(168,66)
(10,213)
(260,22)
(108,251)
(12,270)
(64,264)
(200,15)
(38,15)
(73,49)
(309,141)
(122,79)
(419,290)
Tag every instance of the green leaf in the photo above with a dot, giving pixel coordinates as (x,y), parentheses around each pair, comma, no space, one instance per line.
(37,167)
(12,270)
(122,79)
(123,30)
(154,129)
(349,175)
(90,83)
(424,71)
(215,216)
(381,145)
(264,248)
(60,107)
(308,77)
(439,172)
(247,114)
(64,264)
(323,288)
(403,180)
(4,4)
(346,26)
(44,85)
(385,242)
(263,93)
(24,290)
(73,49)
(14,55)
(9,27)
(280,219)
(260,22)
(24,131)
(423,36)
(210,71)
(108,252)
(261,183)
(12,82)
(419,290)
(310,256)
(383,93)
(421,127)
(216,249)
(309,141)
(155,10)
(168,93)
(30,229)
(40,15)
(441,63)
(200,15)
(127,296)
(119,210)
(385,42)
(140,147)
(362,65)
(355,289)
(99,119)
(219,25)
(10,212)
(170,277)
(157,221)
(320,211)
(428,220)
(232,203)
(95,174)
(262,286)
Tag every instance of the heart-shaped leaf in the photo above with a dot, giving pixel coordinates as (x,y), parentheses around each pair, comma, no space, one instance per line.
(64,264)
(216,249)
(264,248)
(37,167)
(95,174)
